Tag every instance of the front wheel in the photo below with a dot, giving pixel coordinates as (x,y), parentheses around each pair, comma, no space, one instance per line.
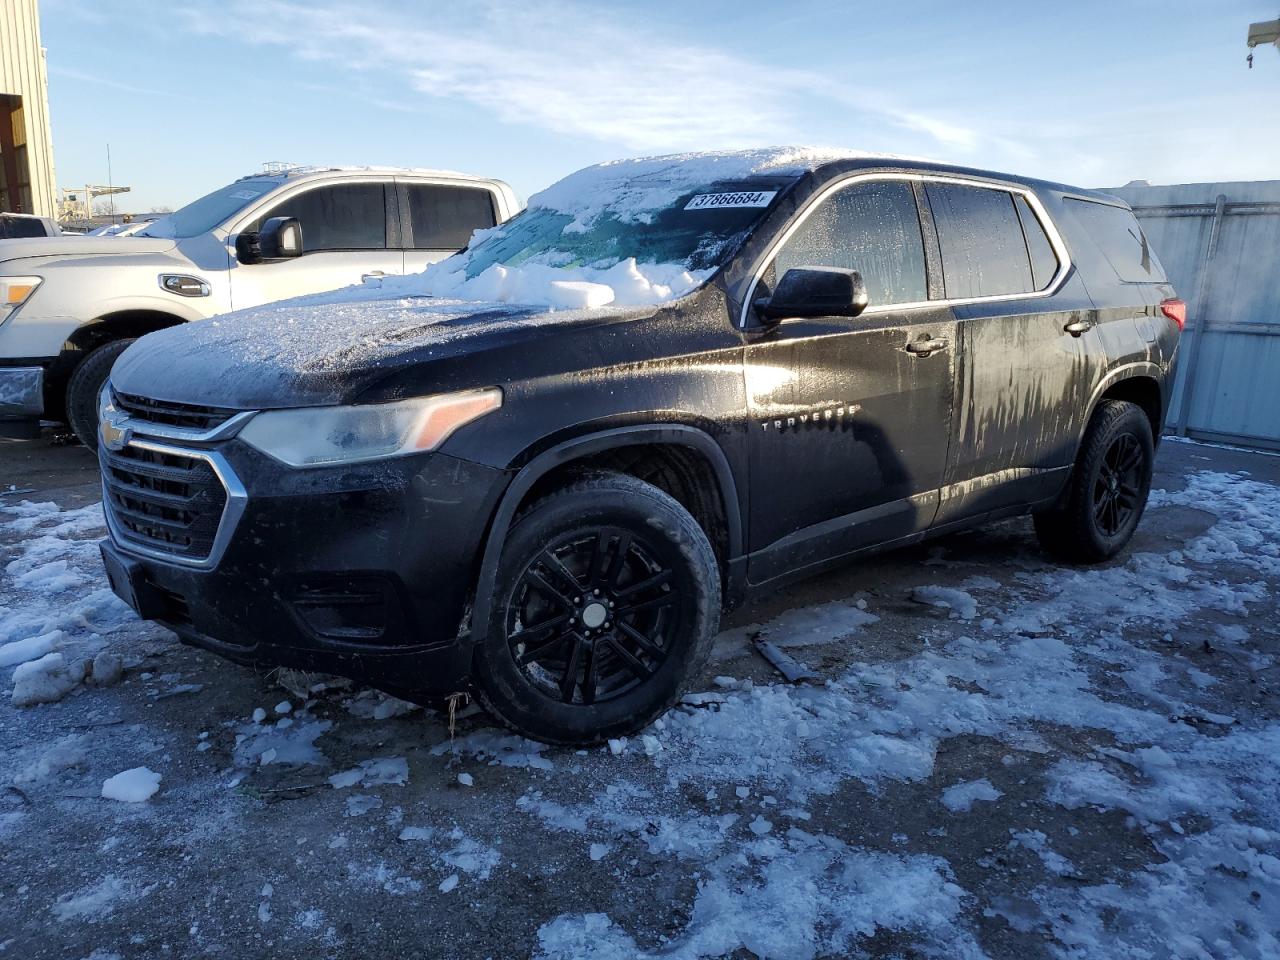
(606,603)
(83,389)
(1108,488)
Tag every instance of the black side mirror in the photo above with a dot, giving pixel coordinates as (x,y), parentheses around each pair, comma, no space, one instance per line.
(279,239)
(815,292)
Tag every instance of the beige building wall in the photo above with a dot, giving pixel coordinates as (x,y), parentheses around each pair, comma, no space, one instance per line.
(26,144)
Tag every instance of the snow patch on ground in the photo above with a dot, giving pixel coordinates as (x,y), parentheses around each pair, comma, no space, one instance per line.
(960,797)
(131,786)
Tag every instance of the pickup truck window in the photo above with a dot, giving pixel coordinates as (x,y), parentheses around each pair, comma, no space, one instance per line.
(201,216)
(444,217)
(984,252)
(873,228)
(344,216)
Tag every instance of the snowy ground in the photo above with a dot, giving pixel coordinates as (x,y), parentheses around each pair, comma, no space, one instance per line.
(1003,757)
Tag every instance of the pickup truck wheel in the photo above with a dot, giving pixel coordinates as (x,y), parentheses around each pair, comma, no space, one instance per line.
(1108,488)
(83,389)
(606,603)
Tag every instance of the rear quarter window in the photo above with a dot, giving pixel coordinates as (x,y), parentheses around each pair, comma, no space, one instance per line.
(444,217)
(1120,238)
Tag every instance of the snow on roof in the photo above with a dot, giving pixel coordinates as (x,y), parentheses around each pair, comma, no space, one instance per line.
(632,189)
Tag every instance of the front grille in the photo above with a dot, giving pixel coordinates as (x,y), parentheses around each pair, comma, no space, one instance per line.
(172,414)
(164,501)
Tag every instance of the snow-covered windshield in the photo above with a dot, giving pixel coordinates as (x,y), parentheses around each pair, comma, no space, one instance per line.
(201,216)
(697,232)
(631,232)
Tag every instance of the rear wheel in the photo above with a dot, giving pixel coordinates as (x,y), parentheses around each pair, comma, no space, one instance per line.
(83,389)
(1108,489)
(606,604)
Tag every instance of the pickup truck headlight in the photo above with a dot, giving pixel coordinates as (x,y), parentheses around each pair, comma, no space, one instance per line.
(311,436)
(14,292)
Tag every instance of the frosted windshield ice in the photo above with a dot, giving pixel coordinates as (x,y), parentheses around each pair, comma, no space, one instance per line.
(201,216)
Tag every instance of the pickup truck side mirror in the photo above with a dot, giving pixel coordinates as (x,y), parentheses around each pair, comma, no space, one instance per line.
(279,239)
(815,292)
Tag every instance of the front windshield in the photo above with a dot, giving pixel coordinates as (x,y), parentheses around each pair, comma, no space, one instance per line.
(696,230)
(201,216)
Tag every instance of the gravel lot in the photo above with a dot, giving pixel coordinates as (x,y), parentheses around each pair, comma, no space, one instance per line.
(1002,757)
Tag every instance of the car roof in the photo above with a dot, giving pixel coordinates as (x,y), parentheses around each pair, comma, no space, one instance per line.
(843,166)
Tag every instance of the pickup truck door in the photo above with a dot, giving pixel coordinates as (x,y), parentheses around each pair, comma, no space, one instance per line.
(438,219)
(347,237)
(849,418)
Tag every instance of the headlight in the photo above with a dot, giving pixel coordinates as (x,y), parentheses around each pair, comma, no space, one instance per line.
(316,435)
(14,292)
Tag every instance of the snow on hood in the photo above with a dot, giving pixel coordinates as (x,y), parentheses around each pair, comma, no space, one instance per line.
(314,350)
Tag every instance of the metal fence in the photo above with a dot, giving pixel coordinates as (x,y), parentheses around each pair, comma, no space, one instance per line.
(1220,244)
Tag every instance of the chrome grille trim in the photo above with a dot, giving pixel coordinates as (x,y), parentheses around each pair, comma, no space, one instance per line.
(234,506)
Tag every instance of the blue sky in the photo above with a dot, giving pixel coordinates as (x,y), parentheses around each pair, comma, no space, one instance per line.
(193,93)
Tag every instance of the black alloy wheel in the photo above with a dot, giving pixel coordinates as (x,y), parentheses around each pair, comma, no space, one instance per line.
(606,603)
(1118,486)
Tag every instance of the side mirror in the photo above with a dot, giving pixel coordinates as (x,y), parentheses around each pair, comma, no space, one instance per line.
(815,292)
(279,239)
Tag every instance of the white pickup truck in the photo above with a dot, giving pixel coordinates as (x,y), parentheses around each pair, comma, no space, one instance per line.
(70,305)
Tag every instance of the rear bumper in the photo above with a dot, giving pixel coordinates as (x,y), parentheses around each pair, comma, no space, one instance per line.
(364,571)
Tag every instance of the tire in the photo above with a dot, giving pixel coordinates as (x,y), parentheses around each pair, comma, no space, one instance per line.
(1108,489)
(587,671)
(83,389)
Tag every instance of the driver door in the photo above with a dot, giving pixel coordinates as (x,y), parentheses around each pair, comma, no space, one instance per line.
(345,239)
(849,420)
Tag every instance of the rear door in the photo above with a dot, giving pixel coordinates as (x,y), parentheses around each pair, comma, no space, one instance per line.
(1020,367)
(848,426)
(438,219)
(347,237)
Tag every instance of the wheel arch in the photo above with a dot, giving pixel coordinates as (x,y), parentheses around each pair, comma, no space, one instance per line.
(595,449)
(1139,383)
(118,325)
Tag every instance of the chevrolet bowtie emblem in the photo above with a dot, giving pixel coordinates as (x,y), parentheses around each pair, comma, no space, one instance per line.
(115,433)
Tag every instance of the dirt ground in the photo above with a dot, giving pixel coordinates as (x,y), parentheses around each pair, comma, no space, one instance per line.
(1002,757)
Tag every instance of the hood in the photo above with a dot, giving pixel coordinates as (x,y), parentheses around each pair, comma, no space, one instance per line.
(71,246)
(326,349)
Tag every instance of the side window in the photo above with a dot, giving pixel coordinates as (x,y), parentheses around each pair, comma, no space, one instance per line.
(1116,231)
(1044,262)
(873,228)
(22,227)
(984,253)
(345,216)
(444,217)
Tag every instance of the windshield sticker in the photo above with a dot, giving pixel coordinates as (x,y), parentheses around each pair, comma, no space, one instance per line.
(246,194)
(718,201)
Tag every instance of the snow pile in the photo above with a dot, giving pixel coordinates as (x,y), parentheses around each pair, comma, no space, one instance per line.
(47,679)
(797,895)
(373,773)
(131,786)
(960,797)
(624,284)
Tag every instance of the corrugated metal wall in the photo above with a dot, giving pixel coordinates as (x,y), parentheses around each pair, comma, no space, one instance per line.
(1220,243)
(22,72)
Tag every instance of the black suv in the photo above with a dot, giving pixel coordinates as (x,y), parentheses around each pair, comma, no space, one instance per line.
(763,364)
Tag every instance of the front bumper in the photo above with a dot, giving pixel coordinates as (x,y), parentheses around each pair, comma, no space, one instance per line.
(362,570)
(21,394)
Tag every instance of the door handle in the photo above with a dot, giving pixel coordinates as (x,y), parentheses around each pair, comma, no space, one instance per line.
(925,346)
(372,275)
(1077,327)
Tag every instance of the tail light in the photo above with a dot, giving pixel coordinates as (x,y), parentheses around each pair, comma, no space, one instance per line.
(1175,310)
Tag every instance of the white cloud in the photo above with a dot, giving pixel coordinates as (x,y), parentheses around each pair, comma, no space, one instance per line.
(574,70)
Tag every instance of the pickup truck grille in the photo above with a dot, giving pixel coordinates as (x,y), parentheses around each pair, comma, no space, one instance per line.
(172,414)
(165,502)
